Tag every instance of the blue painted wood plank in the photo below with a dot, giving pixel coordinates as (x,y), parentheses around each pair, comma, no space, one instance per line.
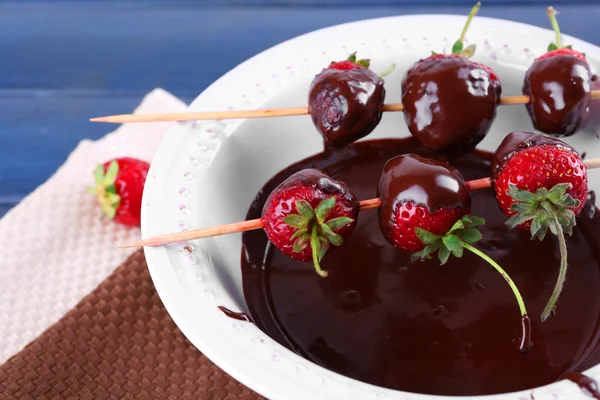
(62,63)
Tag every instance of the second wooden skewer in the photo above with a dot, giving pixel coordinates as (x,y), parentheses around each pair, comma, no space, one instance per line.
(257,224)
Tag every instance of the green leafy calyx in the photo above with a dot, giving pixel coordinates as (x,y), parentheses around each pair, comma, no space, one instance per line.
(365,62)
(452,242)
(105,188)
(315,229)
(546,209)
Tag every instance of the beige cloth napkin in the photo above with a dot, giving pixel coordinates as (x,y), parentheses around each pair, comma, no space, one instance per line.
(50,240)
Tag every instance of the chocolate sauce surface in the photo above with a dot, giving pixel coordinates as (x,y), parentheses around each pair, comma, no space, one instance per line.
(449,103)
(517,141)
(418,326)
(559,88)
(346,105)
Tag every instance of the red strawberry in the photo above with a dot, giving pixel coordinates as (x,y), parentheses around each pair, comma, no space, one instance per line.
(561,52)
(541,184)
(345,101)
(306,213)
(425,207)
(119,187)
(449,101)
(412,197)
(558,84)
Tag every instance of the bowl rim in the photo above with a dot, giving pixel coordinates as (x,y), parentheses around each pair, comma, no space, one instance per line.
(158,257)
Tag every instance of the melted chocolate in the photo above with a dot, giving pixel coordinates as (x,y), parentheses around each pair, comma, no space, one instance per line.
(559,88)
(418,326)
(517,141)
(346,105)
(449,103)
(240,316)
(422,181)
(587,384)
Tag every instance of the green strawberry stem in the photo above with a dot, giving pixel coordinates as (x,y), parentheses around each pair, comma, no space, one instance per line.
(461,236)
(314,229)
(506,277)
(472,14)
(552,16)
(458,46)
(546,210)
(562,274)
(314,244)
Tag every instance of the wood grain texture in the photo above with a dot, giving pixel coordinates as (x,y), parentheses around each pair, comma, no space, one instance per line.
(64,62)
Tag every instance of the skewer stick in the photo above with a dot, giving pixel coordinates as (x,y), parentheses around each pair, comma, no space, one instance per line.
(265,113)
(253,224)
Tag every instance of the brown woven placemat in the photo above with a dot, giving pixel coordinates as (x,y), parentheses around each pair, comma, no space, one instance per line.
(117,343)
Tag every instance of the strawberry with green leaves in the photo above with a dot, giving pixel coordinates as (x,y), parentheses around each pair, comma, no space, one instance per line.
(541,184)
(119,188)
(425,209)
(307,214)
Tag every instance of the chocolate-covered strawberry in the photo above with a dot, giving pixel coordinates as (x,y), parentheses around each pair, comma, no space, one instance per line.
(450,101)
(558,84)
(540,183)
(307,213)
(425,207)
(411,196)
(345,101)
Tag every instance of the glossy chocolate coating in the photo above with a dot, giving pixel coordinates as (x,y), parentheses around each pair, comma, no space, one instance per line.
(421,327)
(559,88)
(449,103)
(423,181)
(587,384)
(517,141)
(346,105)
(594,121)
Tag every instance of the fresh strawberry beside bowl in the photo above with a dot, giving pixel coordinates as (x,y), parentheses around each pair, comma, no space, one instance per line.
(119,188)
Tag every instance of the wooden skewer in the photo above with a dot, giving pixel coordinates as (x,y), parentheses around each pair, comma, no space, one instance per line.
(253,224)
(265,113)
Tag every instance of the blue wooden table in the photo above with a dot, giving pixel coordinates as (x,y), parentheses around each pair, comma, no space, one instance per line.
(62,62)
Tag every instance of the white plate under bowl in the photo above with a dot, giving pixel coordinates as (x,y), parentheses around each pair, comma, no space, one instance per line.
(207,173)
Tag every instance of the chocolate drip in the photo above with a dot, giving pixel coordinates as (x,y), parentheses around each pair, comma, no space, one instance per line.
(346,105)
(559,88)
(450,103)
(240,316)
(587,384)
(517,141)
(526,341)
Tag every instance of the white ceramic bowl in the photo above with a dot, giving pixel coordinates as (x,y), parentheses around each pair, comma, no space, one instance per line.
(207,173)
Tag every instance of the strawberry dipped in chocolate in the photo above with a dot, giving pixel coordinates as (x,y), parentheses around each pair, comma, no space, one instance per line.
(558,84)
(450,101)
(119,188)
(425,209)
(541,184)
(345,101)
(307,213)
